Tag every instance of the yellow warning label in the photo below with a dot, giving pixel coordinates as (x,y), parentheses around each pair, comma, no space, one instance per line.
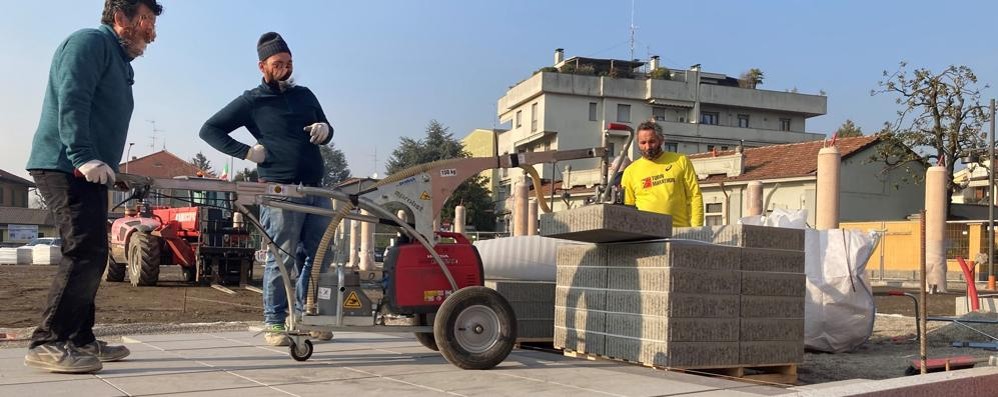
(352,301)
(424,196)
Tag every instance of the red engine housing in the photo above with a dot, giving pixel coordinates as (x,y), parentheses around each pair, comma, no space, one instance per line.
(416,284)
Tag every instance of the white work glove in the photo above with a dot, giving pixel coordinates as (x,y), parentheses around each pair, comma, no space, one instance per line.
(318,132)
(97,172)
(256,154)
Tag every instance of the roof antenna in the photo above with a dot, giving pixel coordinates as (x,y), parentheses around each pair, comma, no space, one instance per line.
(633,28)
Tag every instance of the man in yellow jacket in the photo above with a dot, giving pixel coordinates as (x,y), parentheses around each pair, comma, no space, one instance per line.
(662,182)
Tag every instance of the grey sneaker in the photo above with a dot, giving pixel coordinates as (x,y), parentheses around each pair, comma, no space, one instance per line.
(61,357)
(321,335)
(105,352)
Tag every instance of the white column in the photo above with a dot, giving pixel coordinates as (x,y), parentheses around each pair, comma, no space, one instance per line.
(827,202)
(753,198)
(532,218)
(935,228)
(460,219)
(366,244)
(354,241)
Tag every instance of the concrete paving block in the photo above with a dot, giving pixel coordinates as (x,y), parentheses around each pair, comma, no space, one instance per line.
(534,328)
(772,329)
(755,353)
(774,284)
(747,236)
(667,329)
(582,299)
(672,279)
(581,320)
(523,291)
(579,341)
(671,304)
(675,254)
(533,310)
(772,307)
(772,260)
(605,223)
(581,277)
(581,256)
(674,354)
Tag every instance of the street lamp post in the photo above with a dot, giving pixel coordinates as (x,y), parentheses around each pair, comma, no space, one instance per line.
(128,155)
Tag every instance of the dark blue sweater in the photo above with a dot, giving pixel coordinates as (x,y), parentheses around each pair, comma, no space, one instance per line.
(277,120)
(88,103)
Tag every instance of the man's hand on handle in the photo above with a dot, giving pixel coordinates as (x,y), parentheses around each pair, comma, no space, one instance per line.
(97,171)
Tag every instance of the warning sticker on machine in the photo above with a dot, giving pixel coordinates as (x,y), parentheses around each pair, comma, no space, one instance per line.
(325,293)
(352,301)
(436,295)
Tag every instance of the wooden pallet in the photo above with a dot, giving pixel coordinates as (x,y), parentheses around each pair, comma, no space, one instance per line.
(784,374)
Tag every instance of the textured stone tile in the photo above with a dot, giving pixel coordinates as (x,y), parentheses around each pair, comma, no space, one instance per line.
(673,354)
(581,255)
(671,304)
(745,236)
(772,307)
(579,319)
(584,299)
(671,279)
(772,260)
(754,353)
(772,329)
(581,277)
(523,291)
(669,329)
(774,284)
(605,223)
(674,254)
(579,341)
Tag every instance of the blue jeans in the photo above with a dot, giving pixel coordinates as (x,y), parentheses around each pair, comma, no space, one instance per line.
(288,229)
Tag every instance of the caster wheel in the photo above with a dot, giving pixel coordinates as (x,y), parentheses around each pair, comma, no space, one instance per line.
(303,352)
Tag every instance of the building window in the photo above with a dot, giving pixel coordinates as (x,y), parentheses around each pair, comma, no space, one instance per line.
(592,111)
(670,147)
(724,148)
(709,118)
(784,124)
(658,113)
(743,121)
(624,113)
(713,214)
(533,117)
(710,148)
(518,114)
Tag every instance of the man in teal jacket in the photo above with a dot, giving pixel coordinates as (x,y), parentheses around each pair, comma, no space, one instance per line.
(289,126)
(74,155)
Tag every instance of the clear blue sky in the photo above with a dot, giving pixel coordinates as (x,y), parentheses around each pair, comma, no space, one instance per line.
(383,69)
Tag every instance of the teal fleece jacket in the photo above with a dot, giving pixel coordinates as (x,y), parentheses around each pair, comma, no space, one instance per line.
(88,103)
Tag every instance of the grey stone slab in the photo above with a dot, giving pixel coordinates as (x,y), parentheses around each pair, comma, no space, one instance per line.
(747,236)
(579,319)
(674,254)
(603,223)
(533,310)
(772,260)
(287,373)
(668,329)
(581,255)
(13,371)
(579,298)
(772,306)
(614,379)
(671,279)
(774,284)
(262,391)
(534,329)
(158,363)
(673,354)
(672,304)
(492,383)
(579,341)
(772,329)
(89,386)
(362,387)
(584,277)
(197,381)
(523,291)
(783,352)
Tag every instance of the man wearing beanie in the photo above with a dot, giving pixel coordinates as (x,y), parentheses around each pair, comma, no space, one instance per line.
(74,155)
(289,125)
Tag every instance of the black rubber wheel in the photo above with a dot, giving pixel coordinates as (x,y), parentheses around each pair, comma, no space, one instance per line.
(475,328)
(143,259)
(115,272)
(426,338)
(301,353)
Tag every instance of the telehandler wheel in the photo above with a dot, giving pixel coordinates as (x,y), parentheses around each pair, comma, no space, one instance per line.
(475,328)
(303,352)
(115,271)
(143,259)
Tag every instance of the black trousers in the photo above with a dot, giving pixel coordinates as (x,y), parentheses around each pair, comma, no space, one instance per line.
(80,211)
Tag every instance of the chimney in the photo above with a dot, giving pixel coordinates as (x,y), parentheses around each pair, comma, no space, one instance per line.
(559,56)
(654,63)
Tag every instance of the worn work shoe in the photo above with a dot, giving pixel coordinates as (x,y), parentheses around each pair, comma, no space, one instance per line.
(61,357)
(105,352)
(321,335)
(275,335)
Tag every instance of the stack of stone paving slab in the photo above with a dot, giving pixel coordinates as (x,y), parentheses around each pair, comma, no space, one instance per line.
(533,305)
(734,297)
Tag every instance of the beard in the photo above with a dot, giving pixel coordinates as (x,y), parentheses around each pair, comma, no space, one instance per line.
(652,152)
(134,42)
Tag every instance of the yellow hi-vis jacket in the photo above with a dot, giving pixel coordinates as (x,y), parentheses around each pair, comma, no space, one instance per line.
(666,185)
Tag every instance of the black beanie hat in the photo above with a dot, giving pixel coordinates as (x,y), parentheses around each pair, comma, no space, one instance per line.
(269,44)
